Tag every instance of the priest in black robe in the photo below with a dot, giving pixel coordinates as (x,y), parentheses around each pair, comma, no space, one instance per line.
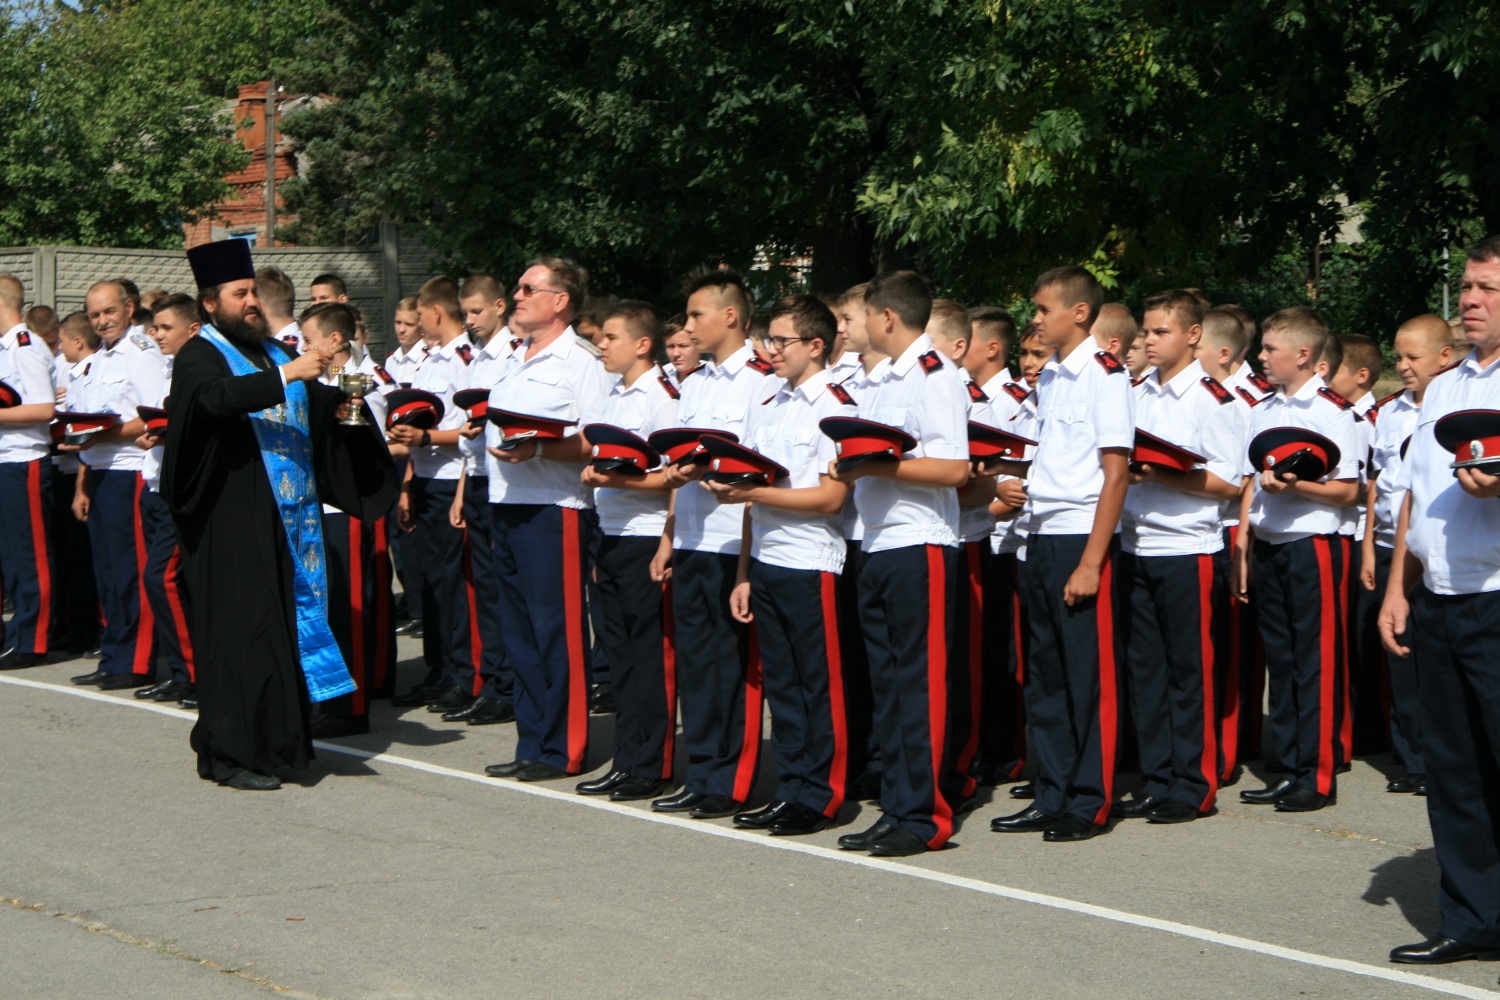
(253,690)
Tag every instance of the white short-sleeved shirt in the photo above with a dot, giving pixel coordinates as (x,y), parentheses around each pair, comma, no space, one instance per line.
(67,384)
(847,364)
(561,381)
(126,374)
(785,430)
(1249,385)
(26,365)
(1010,531)
(1366,414)
(1084,404)
(1456,536)
(1396,423)
(990,405)
(925,397)
(851,525)
(647,405)
(1194,412)
(151,457)
(718,397)
(1289,516)
(445,372)
(402,364)
(489,359)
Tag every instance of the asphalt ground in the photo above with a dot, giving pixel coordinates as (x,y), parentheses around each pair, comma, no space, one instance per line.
(395,869)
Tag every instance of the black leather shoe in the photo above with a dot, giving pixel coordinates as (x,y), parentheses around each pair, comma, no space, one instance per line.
(899,843)
(1441,951)
(1025,790)
(715,807)
(452,700)
(419,695)
(14,659)
(150,692)
(412,629)
(1134,807)
(249,781)
(1304,800)
(762,818)
(797,821)
(508,769)
(540,771)
(1031,820)
(683,801)
(1070,830)
(1343,768)
(183,691)
(1269,794)
(94,678)
(1407,783)
(604,785)
(331,727)
(601,701)
(493,713)
(862,841)
(172,690)
(1172,811)
(97,653)
(124,682)
(191,704)
(635,789)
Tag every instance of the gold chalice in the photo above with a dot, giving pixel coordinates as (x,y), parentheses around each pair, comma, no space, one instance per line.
(356,386)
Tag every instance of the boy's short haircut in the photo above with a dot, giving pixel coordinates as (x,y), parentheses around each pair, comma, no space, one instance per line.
(730,286)
(1362,352)
(905,293)
(42,321)
(811,318)
(1302,327)
(76,324)
(332,317)
(1182,304)
(12,292)
(442,292)
(1114,321)
(856,293)
(1222,328)
(151,296)
(641,320)
(1073,285)
(332,281)
(1202,299)
(408,303)
(675,325)
(993,323)
(949,322)
(1246,320)
(1028,332)
(760,327)
(1433,330)
(484,286)
(185,306)
(275,291)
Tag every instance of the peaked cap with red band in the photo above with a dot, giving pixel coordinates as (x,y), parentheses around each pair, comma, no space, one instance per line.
(615,448)
(987,443)
(1295,451)
(8,396)
(516,428)
(413,408)
(731,462)
(1473,436)
(79,427)
(683,445)
(156,419)
(475,401)
(1152,450)
(860,440)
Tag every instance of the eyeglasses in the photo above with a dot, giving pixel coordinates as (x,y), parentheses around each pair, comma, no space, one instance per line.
(530,290)
(778,344)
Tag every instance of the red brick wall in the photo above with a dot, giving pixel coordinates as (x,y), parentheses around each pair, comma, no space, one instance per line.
(247,205)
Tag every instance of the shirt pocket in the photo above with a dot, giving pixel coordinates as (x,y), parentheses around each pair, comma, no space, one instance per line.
(1067,420)
(891,416)
(729,415)
(789,447)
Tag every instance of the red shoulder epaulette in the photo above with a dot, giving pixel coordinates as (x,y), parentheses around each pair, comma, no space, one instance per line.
(466,352)
(930,362)
(1216,387)
(1109,362)
(1260,382)
(1017,391)
(666,384)
(1250,398)
(516,342)
(23,339)
(760,364)
(691,371)
(1391,398)
(1335,398)
(977,394)
(841,394)
(1372,415)
(384,375)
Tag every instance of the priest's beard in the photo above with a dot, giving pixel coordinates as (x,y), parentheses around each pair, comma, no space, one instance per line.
(248,328)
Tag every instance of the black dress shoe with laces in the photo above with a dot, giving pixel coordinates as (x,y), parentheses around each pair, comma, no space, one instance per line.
(862,841)
(715,807)
(798,821)
(1070,830)
(96,677)
(1173,811)
(1304,800)
(412,629)
(150,692)
(604,785)
(540,771)
(1441,951)
(1135,807)
(899,843)
(635,789)
(508,769)
(601,701)
(1407,783)
(124,682)
(454,699)
(15,659)
(1031,820)
(1025,790)
(483,711)
(683,801)
(190,703)
(1269,794)
(762,818)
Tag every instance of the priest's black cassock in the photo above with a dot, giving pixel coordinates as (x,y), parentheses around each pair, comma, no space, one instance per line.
(252,697)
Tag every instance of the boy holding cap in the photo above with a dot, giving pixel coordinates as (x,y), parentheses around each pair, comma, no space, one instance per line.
(1289,546)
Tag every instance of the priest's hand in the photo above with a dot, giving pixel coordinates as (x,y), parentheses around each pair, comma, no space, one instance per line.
(307,367)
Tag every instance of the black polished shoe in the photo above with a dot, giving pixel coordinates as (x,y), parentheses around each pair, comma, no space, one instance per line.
(1407,783)
(540,771)
(1173,811)
(683,801)
(94,678)
(172,690)
(508,769)
(97,653)
(1441,951)
(249,781)
(452,700)
(191,704)
(601,701)
(412,629)
(798,820)
(181,692)
(331,727)
(1031,820)
(862,841)
(762,818)
(635,789)
(1304,800)
(493,713)
(1134,807)
(150,692)
(422,694)
(14,659)
(1070,830)
(604,785)
(1343,768)
(899,843)
(1269,794)
(715,807)
(1025,790)
(124,682)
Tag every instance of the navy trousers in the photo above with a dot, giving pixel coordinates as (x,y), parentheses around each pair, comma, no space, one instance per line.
(967,669)
(119,546)
(482,632)
(907,610)
(864,749)
(1072,680)
(1240,674)
(26,558)
(1455,638)
(634,623)
(1002,734)
(437,556)
(75,618)
(165,588)
(1370,693)
(1405,689)
(541,557)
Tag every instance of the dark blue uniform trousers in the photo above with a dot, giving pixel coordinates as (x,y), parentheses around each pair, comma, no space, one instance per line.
(1455,642)
(541,555)
(1002,734)
(119,546)
(482,618)
(1240,673)
(164,587)
(864,748)
(76,609)
(436,555)
(1072,680)
(1406,694)
(907,609)
(633,618)
(26,559)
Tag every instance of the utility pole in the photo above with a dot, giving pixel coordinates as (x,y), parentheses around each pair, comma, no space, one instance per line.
(270,114)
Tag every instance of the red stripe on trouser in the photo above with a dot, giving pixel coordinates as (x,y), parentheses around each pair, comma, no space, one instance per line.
(1327,665)
(476,642)
(1229,720)
(1104,617)
(578,688)
(1210,759)
(145,626)
(1018,639)
(937,689)
(838,771)
(357,616)
(39,553)
(744,771)
(179,613)
(382,606)
(669,676)
(974,585)
(1346,724)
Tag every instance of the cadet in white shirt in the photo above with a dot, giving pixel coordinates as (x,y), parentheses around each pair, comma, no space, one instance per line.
(78,602)
(1170,535)
(26,369)
(718,676)
(1293,553)
(278,301)
(126,372)
(1448,560)
(544,524)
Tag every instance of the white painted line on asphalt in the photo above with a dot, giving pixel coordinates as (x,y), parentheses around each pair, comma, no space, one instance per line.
(864,861)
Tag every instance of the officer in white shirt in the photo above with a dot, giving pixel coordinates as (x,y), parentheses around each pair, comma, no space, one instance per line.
(544,523)
(26,555)
(126,372)
(1448,560)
